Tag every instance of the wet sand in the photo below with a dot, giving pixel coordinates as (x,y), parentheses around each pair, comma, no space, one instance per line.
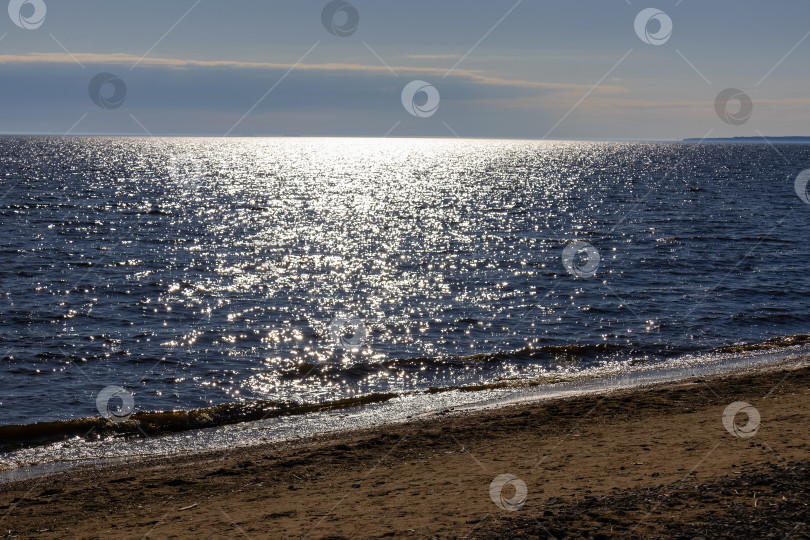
(652,462)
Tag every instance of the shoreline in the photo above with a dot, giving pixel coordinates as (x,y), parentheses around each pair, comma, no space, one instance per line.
(604,463)
(15,435)
(96,441)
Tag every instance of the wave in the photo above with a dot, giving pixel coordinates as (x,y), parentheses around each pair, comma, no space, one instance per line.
(149,424)
(767,345)
(160,422)
(547,354)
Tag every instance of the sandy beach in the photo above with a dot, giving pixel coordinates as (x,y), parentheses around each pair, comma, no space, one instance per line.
(653,462)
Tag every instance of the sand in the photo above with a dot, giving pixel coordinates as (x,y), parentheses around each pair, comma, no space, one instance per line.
(653,462)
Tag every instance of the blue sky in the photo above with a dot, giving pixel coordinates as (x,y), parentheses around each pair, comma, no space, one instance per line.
(563,69)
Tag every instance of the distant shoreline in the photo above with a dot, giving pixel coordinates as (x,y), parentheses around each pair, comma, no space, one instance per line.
(782,140)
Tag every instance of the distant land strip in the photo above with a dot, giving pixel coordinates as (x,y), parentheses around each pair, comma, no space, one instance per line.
(792,139)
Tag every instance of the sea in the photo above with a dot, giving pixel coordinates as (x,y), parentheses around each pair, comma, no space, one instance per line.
(153,285)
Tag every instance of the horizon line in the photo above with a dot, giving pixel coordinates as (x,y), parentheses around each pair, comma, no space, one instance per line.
(740,139)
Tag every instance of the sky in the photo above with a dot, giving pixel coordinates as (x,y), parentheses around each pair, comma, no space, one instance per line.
(535,69)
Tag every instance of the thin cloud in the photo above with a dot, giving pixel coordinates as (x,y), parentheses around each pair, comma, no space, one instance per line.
(175,63)
(431,56)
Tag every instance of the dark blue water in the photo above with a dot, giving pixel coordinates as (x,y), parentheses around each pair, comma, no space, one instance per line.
(194,272)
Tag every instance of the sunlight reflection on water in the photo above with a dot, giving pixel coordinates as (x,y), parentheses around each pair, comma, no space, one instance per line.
(202,271)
